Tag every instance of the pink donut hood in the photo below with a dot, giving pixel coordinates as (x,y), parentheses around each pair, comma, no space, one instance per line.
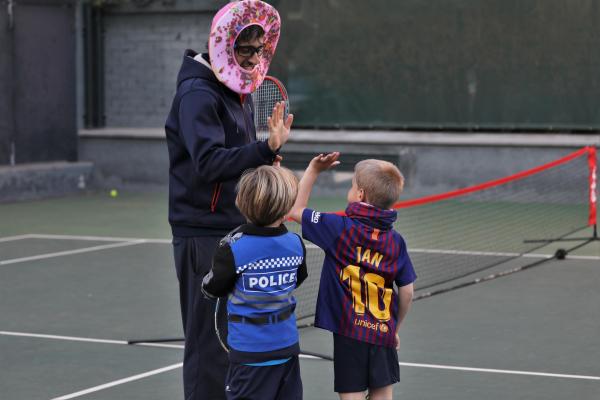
(226,26)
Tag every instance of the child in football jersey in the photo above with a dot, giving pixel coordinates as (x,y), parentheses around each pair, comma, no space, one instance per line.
(364,257)
(258,265)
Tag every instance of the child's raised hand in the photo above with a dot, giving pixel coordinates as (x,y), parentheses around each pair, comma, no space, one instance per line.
(324,162)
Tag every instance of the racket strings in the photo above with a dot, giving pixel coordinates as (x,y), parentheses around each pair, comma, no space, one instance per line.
(265,97)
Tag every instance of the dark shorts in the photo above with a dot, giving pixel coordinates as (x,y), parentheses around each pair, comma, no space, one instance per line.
(358,365)
(274,382)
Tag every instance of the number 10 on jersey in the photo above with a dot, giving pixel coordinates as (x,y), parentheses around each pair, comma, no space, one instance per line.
(369,298)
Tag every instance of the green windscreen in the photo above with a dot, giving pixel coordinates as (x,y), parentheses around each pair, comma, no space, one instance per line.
(442,64)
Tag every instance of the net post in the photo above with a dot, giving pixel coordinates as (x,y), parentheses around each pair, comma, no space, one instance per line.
(592,165)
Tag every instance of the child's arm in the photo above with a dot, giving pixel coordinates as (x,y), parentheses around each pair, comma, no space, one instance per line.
(221,279)
(317,165)
(405,298)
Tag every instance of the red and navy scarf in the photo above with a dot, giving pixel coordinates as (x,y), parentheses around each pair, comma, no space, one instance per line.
(370,215)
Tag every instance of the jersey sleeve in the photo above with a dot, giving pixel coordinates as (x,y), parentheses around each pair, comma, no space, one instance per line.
(321,228)
(302,269)
(406,272)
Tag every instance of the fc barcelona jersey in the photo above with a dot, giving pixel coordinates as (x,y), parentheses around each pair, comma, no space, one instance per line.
(364,256)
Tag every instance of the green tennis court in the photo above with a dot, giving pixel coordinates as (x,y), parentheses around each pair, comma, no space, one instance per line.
(80,276)
(489,109)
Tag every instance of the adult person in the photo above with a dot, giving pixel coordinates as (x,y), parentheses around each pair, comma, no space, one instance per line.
(211,141)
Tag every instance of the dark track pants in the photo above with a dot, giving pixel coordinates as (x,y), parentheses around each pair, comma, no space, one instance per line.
(205,362)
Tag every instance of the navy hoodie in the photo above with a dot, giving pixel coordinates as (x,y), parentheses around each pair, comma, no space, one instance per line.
(212,141)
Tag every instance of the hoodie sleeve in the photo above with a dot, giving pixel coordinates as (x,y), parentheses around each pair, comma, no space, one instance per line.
(204,137)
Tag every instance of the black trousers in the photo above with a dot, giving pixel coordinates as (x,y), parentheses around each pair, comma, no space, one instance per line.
(275,382)
(205,362)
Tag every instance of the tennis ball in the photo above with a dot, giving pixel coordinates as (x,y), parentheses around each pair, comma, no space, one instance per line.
(114,193)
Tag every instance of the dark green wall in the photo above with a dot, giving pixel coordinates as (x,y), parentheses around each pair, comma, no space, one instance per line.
(6,90)
(463,64)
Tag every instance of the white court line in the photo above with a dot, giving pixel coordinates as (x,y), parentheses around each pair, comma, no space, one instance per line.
(492,254)
(486,253)
(479,253)
(416,365)
(106,341)
(11,238)
(308,246)
(69,252)
(96,238)
(118,382)
(462,252)
(591,258)
(57,337)
(501,371)
(90,340)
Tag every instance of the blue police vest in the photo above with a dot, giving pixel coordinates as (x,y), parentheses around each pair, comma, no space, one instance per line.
(261,306)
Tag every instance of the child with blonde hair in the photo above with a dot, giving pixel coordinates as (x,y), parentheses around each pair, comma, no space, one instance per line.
(257,266)
(364,257)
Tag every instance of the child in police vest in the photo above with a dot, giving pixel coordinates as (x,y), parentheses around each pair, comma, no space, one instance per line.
(258,265)
(364,257)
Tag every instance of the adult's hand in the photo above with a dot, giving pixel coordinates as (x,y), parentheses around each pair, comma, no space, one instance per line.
(279,130)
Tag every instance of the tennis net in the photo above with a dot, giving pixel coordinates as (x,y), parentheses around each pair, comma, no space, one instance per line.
(466,231)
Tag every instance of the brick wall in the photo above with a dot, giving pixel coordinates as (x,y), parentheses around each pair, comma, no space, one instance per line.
(143,54)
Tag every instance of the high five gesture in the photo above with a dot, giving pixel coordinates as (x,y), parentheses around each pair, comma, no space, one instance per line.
(279,129)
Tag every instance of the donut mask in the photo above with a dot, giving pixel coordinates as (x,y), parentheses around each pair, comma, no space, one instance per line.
(226,27)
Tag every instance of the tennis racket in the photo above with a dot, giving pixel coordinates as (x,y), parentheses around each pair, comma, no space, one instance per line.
(270,92)
(221,322)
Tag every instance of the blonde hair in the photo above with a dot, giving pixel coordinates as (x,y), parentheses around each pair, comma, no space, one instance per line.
(381,181)
(266,194)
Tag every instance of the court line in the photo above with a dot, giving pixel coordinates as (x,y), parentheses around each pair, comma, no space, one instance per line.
(494,254)
(90,340)
(131,241)
(69,252)
(462,252)
(477,253)
(486,253)
(119,382)
(308,246)
(97,238)
(591,258)
(17,237)
(501,371)
(416,365)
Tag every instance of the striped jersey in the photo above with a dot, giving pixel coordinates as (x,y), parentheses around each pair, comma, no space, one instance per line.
(364,257)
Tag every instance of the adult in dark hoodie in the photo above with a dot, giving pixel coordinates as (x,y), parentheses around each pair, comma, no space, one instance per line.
(211,140)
